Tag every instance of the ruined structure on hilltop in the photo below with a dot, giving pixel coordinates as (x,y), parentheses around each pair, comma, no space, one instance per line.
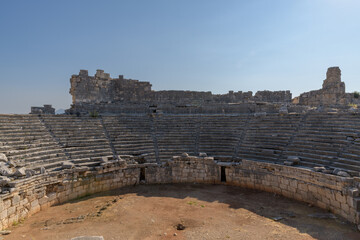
(46,109)
(105,94)
(332,92)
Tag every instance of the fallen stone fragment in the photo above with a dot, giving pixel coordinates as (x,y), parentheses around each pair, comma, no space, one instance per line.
(103,208)
(289,163)
(20,172)
(180,227)
(74,220)
(67,165)
(343,174)
(322,215)
(294,159)
(4,181)
(277,218)
(29,172)
(11,164)
(4,170)
(319,169)
(88,238)
(5,232)
(329,171)
(202,154)
(3,157)
(350,138)
(185,154)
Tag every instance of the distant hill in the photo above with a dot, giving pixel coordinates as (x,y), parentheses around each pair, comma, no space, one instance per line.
(60,111)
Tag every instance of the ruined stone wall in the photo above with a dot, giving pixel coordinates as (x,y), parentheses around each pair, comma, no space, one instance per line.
(28,196)
(277,96)
(89,93)
(234,97)
(339,195)
(206,108)
(46,109)
(103,89)
(332,92)
(181,97)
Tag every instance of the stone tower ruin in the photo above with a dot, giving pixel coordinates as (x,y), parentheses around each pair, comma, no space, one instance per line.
(332,92)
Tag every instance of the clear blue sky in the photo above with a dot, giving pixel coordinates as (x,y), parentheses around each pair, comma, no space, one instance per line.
(209,45)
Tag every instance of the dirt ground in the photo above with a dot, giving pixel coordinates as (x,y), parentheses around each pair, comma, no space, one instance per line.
(206,212)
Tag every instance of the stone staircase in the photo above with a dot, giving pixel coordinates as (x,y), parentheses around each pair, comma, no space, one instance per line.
(153,131)
(131,135)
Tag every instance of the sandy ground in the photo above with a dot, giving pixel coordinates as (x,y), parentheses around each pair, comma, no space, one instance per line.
(206,212)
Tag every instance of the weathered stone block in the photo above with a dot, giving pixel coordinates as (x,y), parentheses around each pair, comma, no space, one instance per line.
(11,210)
(7,203)
(340,198)
(15,200)
(34,203)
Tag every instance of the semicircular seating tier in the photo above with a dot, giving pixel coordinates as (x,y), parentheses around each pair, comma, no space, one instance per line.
(318,139)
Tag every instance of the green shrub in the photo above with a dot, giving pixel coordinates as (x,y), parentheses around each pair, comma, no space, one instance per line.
(356,94)
(94,114)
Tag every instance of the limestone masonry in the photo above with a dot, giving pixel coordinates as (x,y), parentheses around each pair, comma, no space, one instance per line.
(105,94)
(332,92)
(339,195)
(101,93)
(47,109)
(119,132)
(48,159)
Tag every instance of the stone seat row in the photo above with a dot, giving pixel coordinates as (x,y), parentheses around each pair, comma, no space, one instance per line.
(75,133)
(28,142)
(270,138)
(131,136)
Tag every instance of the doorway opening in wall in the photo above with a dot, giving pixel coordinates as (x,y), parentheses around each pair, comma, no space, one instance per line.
(223,174)
(142,174)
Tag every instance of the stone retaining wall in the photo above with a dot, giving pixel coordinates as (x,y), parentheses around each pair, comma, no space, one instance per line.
(339,195)
(30,195)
